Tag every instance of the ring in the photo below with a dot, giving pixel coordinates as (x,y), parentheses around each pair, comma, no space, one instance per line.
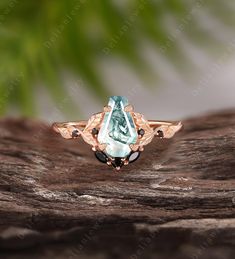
(118,134)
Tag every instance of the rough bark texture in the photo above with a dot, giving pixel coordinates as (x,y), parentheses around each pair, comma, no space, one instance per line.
(176,201)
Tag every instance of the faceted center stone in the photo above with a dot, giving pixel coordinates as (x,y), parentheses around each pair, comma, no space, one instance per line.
(118,130)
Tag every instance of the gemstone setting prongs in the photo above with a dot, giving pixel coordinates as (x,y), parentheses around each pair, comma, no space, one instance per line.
(117,135)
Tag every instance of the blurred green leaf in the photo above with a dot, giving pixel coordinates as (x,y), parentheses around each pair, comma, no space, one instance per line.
(42,39)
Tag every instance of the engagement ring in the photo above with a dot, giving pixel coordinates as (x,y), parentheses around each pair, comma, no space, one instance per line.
(118,134)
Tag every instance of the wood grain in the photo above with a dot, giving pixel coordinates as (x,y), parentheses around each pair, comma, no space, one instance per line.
(178,199)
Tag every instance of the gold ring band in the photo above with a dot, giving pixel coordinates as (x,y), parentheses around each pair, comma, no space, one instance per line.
(118,134)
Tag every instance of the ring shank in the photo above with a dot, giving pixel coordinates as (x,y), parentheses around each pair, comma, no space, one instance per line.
(155,123)
(72,123)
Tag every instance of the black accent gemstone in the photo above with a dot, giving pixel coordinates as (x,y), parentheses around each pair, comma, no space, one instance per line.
(118,162)
(102,157)
(133,157)
(141,132)
(95,131)
(75,134)
(160,134)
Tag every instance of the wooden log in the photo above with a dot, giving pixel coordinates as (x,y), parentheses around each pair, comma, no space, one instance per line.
(177,200)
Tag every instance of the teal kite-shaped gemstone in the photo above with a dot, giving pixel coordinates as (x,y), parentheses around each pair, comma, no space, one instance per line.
(118,130)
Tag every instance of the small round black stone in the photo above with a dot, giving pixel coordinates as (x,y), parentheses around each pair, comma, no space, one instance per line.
(75,134)
(118,162)
(160,134)
(141,132)
(95,131)
(134,156)
(101,156)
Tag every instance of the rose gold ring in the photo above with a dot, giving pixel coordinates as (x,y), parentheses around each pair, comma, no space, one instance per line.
(118,134)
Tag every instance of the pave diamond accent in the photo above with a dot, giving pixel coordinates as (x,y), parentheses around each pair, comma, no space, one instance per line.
(118,130)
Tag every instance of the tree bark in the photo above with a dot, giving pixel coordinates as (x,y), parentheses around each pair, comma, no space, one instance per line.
(176,201)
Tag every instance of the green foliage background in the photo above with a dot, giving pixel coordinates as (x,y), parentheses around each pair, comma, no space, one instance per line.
(41,39)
